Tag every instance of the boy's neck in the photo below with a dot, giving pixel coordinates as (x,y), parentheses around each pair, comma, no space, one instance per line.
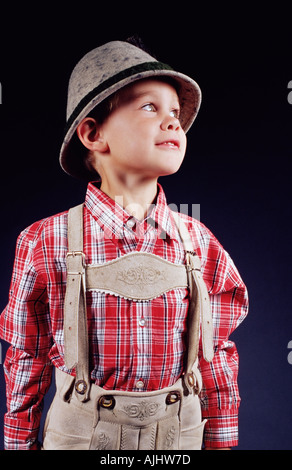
(135,196)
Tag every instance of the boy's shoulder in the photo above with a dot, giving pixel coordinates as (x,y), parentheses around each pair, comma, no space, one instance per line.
(215,260)
(200,234)
(46,228)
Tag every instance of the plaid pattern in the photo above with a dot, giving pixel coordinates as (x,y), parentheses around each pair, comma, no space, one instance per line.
(134,346)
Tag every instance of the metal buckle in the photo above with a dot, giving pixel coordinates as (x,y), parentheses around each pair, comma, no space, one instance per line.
(75,253)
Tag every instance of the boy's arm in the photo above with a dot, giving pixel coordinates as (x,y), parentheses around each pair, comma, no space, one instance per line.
(220,395)
(27,381)
(25,324)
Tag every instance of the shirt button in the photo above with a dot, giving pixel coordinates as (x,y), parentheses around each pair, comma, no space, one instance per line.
(140,384)
(142,322)
(130,223)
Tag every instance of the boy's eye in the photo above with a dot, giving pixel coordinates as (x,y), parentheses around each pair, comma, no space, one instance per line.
(149,107)
(175,113)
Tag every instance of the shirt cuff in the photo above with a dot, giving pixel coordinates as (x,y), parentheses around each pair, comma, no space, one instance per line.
(221,429)
(18,435)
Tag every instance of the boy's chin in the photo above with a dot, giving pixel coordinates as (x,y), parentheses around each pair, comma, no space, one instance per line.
(170,171)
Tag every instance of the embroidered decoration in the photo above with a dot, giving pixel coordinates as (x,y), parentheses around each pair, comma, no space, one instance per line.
(103,441)
(141,411)
(170,437)
(140,275)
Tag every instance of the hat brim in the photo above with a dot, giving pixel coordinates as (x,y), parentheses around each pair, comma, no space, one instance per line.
(72,151)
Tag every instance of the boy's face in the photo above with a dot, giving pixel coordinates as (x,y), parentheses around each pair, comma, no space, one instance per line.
(143,134)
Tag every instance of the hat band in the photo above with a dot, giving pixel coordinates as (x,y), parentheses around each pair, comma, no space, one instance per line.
(136,69)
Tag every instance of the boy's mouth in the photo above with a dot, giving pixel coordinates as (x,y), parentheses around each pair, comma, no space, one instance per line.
(174,144)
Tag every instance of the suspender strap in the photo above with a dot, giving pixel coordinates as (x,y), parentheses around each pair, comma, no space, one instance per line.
(200,308)
(75,317)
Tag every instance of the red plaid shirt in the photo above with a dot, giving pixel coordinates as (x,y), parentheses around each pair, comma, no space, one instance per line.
(136,346)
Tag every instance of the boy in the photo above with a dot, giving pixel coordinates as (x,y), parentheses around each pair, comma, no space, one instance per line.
(113,305)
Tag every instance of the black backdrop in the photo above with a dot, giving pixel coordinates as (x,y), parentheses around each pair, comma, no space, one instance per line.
(237,165)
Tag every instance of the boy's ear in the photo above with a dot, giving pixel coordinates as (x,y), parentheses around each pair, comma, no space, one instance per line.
(89,133)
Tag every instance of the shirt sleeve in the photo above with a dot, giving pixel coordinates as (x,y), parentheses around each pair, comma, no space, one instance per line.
(220,397)
(25,325)
(27,381)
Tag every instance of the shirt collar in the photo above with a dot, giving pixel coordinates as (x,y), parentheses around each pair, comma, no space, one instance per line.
(113,218)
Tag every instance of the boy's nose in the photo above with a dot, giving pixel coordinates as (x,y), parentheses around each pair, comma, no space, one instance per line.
(170,123)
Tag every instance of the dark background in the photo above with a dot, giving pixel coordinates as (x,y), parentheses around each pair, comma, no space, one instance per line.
(237,165)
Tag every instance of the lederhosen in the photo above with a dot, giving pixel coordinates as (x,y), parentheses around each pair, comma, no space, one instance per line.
(84,415)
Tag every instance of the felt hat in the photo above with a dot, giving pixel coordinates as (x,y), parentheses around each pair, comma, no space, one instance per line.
(102,72)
